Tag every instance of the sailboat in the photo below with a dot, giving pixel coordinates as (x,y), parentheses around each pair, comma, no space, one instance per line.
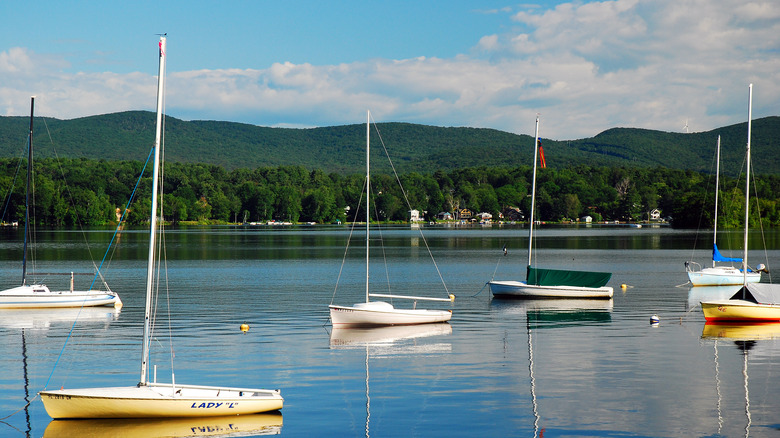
(151,399)
(39,295)
(754,301)
(378,313)
(551,283)
(719,275)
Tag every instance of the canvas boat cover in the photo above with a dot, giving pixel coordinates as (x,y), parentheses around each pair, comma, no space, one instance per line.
(561,277)
(718,257)
(763,293)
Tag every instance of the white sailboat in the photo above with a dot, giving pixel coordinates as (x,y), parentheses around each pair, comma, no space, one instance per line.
(39,295)
(151,399)
(754,301)
(550,283)
(719,275)
(378,313)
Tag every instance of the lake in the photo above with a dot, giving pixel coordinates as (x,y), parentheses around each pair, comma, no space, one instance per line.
(522,368)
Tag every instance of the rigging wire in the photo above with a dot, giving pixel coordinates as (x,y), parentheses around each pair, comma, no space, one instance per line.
(68,337)
(408,204)
(11,187)
(349,239)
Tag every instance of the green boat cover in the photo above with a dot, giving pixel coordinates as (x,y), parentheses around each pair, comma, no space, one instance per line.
(561,277)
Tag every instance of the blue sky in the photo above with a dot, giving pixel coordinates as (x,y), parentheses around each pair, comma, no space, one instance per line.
(585,66)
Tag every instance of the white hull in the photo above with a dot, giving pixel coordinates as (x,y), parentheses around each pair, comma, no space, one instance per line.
(157,400)
(722,276)
(379,313)
(37,296)
(519,289)
(739,310)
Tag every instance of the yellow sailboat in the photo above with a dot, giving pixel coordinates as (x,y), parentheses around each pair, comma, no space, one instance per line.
(152,399)
(754,301)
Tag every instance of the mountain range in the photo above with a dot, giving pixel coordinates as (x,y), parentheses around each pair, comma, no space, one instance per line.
(412,147)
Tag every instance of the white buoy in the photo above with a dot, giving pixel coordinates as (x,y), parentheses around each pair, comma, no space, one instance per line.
(654,320)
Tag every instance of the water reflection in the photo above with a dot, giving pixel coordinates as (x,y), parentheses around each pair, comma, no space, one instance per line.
(41,320)
(707,293)
(390,336)
(749,338)
(237,425)
(388,341)
(557,312)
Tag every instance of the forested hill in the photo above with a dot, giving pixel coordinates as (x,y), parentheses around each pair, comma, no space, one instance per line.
(419,148)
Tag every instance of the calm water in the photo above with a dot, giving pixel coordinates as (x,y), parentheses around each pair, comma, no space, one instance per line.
(500,368)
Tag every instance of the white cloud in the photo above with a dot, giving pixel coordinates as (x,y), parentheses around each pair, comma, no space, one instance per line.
(585,67)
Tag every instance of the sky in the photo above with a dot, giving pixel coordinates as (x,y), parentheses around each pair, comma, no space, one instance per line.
(583,66)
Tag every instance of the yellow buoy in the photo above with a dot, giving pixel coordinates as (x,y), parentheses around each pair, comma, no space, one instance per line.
(244,327)
(623,286)
(452,298)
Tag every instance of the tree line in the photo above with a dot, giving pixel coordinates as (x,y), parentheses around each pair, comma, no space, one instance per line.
(75,191)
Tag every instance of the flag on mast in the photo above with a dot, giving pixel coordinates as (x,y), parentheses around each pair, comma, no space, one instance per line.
(542,163)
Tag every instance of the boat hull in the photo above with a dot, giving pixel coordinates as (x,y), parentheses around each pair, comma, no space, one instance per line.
(39,296)
(234,425)
(722,276)
(379,313)
(739,310)
(519,289)
(158,401)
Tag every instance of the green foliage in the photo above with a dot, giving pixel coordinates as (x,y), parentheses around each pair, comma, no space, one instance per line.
(91,192)
(127,136)
(220,172)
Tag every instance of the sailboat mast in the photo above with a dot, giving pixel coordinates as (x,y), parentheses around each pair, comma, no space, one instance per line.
(533,193)
(717,190)
(747,189)
(27,196)
(153,217)
(368,190)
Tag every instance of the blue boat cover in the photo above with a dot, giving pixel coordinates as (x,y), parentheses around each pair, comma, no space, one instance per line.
(718,257)
(559,277)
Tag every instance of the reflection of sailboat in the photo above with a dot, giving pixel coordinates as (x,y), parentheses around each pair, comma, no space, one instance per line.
(558,312)
(152,399)
(698,294)
(746,337)
(356,337)
(39,295)
(550,283)
(390,341)
(236,425)
(41,320)
(377,313)
(742,331)
(754,301)
(719,275)
(552,313)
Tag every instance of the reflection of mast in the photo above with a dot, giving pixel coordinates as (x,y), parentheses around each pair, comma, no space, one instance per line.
(533,381)
(368,398)
(745,346)
(26,385)
(717,387)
